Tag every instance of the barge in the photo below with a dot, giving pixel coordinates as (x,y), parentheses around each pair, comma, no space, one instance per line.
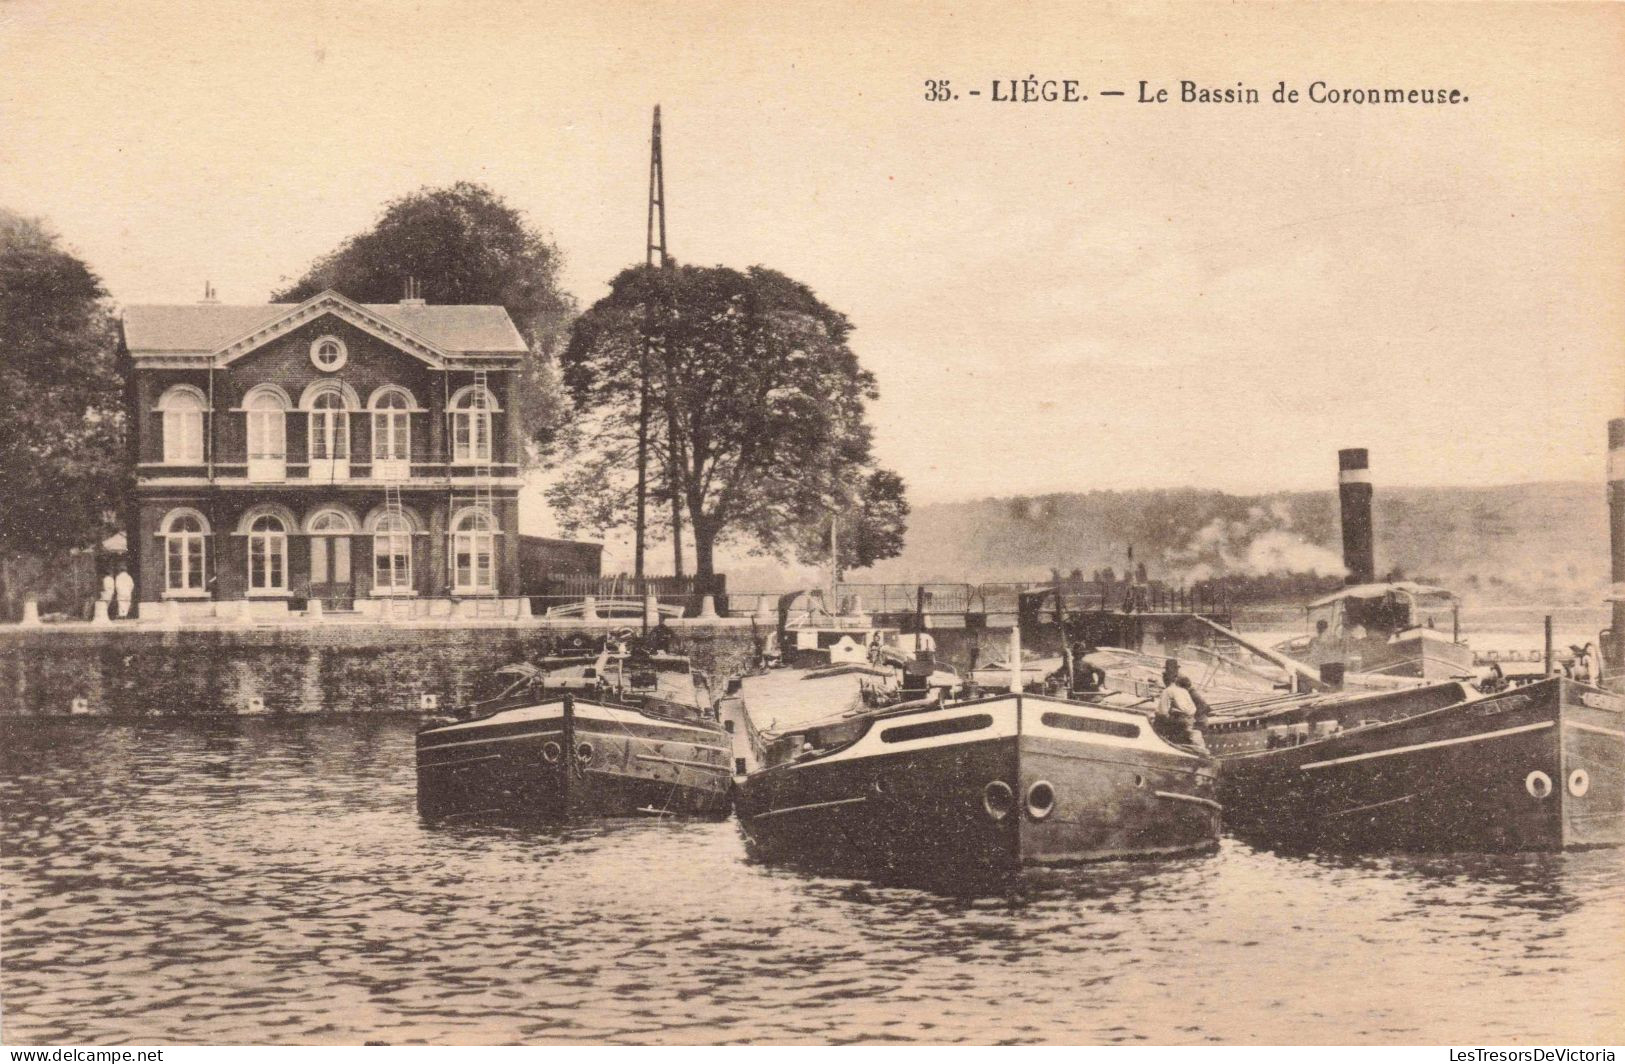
(1535,767)
(977,786)
(622,733)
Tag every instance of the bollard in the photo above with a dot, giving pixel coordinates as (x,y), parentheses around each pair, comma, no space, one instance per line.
(764,608)
(589,608)
(99,616)
(651,609)
(31,611)
(313,610)
(708,607)
(522,609)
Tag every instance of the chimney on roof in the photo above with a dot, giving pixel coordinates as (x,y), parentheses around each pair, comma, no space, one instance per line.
(414,294)
(208,294)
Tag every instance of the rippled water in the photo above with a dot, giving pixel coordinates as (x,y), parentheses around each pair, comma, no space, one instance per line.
(268,881)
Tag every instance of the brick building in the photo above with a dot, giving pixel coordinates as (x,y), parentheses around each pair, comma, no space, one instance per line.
(364,457)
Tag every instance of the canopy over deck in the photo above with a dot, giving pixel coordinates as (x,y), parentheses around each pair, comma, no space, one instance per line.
(1420,592)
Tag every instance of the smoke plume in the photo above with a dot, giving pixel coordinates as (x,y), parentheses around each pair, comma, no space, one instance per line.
(1262,544)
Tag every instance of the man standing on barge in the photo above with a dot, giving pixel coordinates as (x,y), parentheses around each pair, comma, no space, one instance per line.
(1180,714)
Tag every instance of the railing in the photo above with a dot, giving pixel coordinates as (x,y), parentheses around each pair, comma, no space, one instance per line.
(1141,598)
(1001,602)
(686,592)
(906,598)
(994,604)
(1001,598)
(274,468)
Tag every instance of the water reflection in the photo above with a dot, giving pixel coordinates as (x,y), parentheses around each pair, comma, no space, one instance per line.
(269,881)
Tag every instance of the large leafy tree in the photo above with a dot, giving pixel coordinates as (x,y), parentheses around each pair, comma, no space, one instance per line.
(62,454)
(462,244)
(757,409)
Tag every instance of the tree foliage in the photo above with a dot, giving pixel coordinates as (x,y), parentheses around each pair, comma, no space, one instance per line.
(873,521)
(62,454)
(462,244)
(757,402)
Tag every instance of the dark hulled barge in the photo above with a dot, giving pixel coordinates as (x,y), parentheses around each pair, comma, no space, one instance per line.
(1537,767)
(622,733)
(977,786)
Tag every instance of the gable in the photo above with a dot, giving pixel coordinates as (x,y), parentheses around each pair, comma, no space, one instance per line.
(368,363)
(331,303)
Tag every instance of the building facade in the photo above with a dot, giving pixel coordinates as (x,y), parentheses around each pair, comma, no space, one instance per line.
(324,456)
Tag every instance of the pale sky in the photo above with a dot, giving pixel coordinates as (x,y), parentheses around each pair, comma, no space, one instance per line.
(1055,297)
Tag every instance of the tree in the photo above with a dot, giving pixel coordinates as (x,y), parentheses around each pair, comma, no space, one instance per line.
(462,244)
(757,409)
(62,454)
(873,522)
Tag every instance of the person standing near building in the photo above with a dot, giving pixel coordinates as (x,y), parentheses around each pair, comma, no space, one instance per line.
(124,586)
(107,592)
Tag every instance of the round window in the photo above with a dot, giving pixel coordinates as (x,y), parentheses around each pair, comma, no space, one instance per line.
(328,353)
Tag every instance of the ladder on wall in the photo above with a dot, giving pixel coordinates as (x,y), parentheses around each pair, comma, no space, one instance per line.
(396,607)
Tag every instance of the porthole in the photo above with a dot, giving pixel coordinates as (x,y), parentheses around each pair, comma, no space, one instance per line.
(998,799)
(327,353)
(584,753)
(1538,784)
(1579,782)
(1040,800)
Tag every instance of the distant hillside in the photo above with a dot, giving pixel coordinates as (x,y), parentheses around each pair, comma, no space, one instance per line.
(1545,542)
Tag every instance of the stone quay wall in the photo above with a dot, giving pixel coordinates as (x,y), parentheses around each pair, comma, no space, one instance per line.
(150,671)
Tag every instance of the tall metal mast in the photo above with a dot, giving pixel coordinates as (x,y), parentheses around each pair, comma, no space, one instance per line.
(657,199)
(655,255)
(656,189)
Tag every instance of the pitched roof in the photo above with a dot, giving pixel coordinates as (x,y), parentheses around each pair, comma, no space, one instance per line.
(207,327)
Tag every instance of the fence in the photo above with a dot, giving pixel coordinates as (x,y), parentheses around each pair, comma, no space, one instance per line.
(1006,601)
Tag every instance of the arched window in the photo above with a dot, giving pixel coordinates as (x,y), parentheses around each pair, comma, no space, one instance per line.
(392,555)
(330,532)
(391,434)
(329,436)
(267,408)
(267,555)
(186,539)
(182,407)
(471,411)
(473,553)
